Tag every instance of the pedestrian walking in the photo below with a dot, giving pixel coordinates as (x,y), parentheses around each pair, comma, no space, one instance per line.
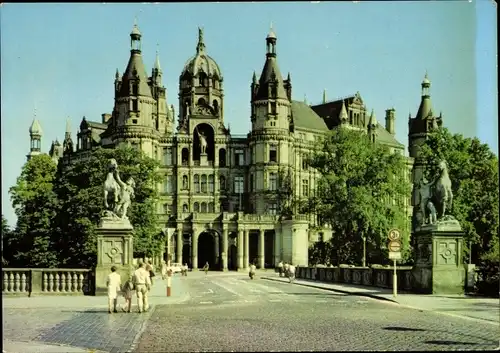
(252,271)
(185,269)
(291,273)
(128,291)
(285,269)
(114,286)
(142,284)
(150,269)
(280,268)
(205,268)
(163,270)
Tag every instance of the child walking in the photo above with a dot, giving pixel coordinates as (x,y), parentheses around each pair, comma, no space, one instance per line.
(128,289)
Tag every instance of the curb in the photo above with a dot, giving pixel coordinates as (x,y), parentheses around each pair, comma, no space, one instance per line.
(373,296)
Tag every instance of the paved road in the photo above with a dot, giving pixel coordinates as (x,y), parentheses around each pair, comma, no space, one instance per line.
(229,312)
(238,314)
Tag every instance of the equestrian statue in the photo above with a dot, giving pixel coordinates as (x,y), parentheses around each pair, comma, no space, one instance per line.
(117,194)
(435,198)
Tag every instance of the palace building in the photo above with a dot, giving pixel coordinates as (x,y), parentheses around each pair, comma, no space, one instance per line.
(225,199)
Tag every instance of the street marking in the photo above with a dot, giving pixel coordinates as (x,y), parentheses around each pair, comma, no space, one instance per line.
(228,289)
(341,301)
(209,292)
(250,301)
(206,302)
(321,301)
(255,291)
(269,288)
(362,301)
(275,300)
(231,301)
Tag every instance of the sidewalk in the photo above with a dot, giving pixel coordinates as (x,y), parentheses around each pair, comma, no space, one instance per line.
(157,296)
(23,347)
(484,309)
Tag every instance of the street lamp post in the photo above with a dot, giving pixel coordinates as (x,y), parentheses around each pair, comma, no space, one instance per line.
(364,251)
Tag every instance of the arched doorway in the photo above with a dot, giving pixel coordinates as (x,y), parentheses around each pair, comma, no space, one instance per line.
(232,258)
(206,250)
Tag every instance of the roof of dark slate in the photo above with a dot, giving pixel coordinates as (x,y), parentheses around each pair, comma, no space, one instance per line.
(135,69)
(305,117)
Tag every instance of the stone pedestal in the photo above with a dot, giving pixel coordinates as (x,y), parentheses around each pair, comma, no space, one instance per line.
(114,248)
(439,265)
(203,160)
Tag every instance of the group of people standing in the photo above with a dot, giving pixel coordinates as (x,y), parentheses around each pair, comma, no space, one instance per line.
(286,270)
(140,282)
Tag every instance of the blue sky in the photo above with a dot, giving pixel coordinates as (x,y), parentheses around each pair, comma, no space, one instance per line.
(61,59)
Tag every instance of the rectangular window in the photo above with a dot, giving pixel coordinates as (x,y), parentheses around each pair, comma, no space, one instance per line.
(169,183)
(210,183)
(304,161)
(273,154)
(239,158)
(135,89)
(251,182)
(135,105)
(203,183)
(305,188)
(273,209)
(273,108)
(167,156)
(197,183)
(238,184)
(273,181)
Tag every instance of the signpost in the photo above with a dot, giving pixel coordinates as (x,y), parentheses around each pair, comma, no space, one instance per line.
(394,247)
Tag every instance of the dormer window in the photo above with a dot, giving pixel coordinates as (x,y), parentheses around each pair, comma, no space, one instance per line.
(273,108)
(135,105)
(135,89)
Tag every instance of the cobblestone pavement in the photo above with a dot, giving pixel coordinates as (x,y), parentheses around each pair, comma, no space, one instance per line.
(303,319)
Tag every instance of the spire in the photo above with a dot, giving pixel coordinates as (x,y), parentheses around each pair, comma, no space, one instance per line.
(254,78)
(157,60)
(271,83)
(117,74)
(201,43)
(425,109)
(35,128)
(68,128)
(324,96)
(372,122)
(288,77)
(271,33)
(343,111)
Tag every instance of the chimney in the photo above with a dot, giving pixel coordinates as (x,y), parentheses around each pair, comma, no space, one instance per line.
(390,117)
(105,118)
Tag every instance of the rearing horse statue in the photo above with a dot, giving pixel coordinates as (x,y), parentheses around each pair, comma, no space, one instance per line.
(111,186)
(442,189)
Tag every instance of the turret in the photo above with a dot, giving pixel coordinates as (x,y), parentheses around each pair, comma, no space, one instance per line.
(68,142)
(36,133)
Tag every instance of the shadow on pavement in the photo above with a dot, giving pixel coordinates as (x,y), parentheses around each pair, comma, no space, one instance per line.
(450,343)
(404,329)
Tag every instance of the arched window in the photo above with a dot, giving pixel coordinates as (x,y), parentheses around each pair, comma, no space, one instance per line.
(185,184)
(203,207)
(203,183)
(202,102)
(202,79)
(197,183)
(222,157)
(222,182)
(196,207)
(216,106)
(211,207)
(210,183)
(185,156)
(185,208)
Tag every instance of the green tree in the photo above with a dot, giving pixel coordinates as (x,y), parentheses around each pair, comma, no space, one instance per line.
(6,239)
(362,192)
(80,189)
(35,204)
(473,170)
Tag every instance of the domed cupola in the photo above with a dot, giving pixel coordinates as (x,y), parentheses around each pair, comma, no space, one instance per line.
(200,84)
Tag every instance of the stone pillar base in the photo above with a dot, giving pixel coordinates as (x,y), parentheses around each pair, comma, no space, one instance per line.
(114,248)
(438,267)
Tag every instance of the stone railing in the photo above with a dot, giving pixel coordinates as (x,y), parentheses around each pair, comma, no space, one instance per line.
(40,281)
(375,276)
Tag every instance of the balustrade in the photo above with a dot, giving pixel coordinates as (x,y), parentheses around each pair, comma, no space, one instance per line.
(46,281)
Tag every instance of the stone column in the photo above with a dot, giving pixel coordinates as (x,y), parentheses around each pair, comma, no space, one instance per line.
(277,248)
(261,248)
(216,249)
(194,254)
(224,249)
(180,243)
(240,250)
(247,249)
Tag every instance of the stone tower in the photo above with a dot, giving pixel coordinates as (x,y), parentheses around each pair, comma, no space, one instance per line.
(35,138)
(201,107)
(418,130)
(271,142)
(68,141)
(140,110)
